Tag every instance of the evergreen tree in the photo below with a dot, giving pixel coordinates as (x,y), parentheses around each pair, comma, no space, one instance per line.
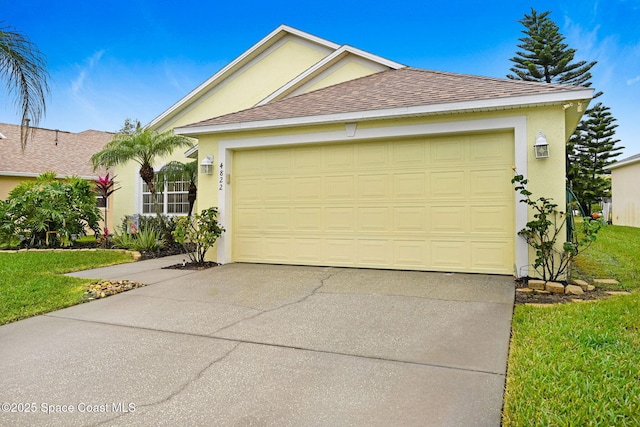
(594,148)
(544,56)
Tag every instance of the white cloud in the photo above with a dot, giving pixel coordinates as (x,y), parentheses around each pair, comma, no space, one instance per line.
(77,84)
(634,80)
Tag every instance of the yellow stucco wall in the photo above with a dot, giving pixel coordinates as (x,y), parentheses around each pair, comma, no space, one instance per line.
(347,69)
(626,195)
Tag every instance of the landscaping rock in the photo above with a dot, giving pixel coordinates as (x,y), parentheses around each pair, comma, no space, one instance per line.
(573,290)
(106,288)
(555,287)
(584,285)
(618,293)
(606,282)
(591,288)
(524,290)
(536,284)
(541,292)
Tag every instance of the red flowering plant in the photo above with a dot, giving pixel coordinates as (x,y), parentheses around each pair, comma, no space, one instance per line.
(105,187)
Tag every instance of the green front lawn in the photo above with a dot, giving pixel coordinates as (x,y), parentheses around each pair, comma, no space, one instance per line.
(32,283)
(579,364)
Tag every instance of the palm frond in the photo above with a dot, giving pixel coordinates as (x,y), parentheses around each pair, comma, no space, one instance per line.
(24,68)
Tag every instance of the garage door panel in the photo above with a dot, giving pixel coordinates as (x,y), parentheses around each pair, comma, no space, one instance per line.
(308,158)
(490,257)
(490,149)
(450,254)
(374,219)
(450,220)
(276,249)
(374,253)
(494,220)
(438,203)
(448,150)
(339,219)
(307,250)
(307,219)
(339,157)
(448,185)
(276,189)
(409,186)
(339,187)
(306,187)
(491,183)
(409,153)
(371,156)
(411,219)
(276,160)
(340,251)
(248,219)
(410,253)
(248,190)
(373,186)
(276,219)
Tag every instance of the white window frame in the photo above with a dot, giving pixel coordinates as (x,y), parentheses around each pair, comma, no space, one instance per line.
(165,198)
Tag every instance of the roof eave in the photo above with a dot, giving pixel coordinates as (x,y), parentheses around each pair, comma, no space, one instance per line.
(419,110)
(624,162)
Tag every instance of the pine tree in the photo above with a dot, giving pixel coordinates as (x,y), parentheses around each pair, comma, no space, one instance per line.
(594,148)
(544,56)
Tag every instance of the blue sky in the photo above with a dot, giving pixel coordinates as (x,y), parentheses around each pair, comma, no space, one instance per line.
(117,59)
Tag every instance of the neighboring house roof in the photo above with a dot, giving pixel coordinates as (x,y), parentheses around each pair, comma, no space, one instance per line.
(393,93)
(625,162)
(63,152)
(334,53)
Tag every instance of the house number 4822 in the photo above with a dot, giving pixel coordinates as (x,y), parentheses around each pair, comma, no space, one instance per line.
(221,177)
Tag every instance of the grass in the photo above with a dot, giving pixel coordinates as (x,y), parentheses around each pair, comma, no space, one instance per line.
(615,254)
(579,364)
(33,283)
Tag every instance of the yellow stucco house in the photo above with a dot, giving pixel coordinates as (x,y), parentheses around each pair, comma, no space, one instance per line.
(625,192)
(324,154)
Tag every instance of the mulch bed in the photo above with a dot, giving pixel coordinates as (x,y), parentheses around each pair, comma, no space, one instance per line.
(192,266)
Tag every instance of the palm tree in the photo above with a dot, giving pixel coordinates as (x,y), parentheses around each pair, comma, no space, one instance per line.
(143,146)
(23,67)
(175,171)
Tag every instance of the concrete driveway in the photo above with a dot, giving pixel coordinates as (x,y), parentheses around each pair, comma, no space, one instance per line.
(253,345)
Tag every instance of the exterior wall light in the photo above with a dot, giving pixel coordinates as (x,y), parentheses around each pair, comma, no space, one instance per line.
(541,147)
(206,166)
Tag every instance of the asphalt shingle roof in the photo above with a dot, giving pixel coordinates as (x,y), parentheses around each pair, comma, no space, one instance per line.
(404,87)
(69,155)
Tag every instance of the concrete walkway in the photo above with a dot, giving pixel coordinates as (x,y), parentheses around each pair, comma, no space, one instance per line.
(245,344)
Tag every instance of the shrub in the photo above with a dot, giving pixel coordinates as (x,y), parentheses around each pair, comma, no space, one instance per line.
(542,233)
(67,207)
(198,234)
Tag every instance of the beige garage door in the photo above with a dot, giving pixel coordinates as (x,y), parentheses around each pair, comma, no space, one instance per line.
(437,203)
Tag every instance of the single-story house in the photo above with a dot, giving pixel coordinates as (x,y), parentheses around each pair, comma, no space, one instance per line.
(625,192)
(324,154)
(64,153)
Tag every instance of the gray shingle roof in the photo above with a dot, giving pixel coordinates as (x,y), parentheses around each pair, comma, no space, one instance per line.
(404,87)
(68,156)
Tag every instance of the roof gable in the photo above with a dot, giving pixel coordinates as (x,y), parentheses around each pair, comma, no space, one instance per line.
(407,91)
(204,95)
(65,153)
